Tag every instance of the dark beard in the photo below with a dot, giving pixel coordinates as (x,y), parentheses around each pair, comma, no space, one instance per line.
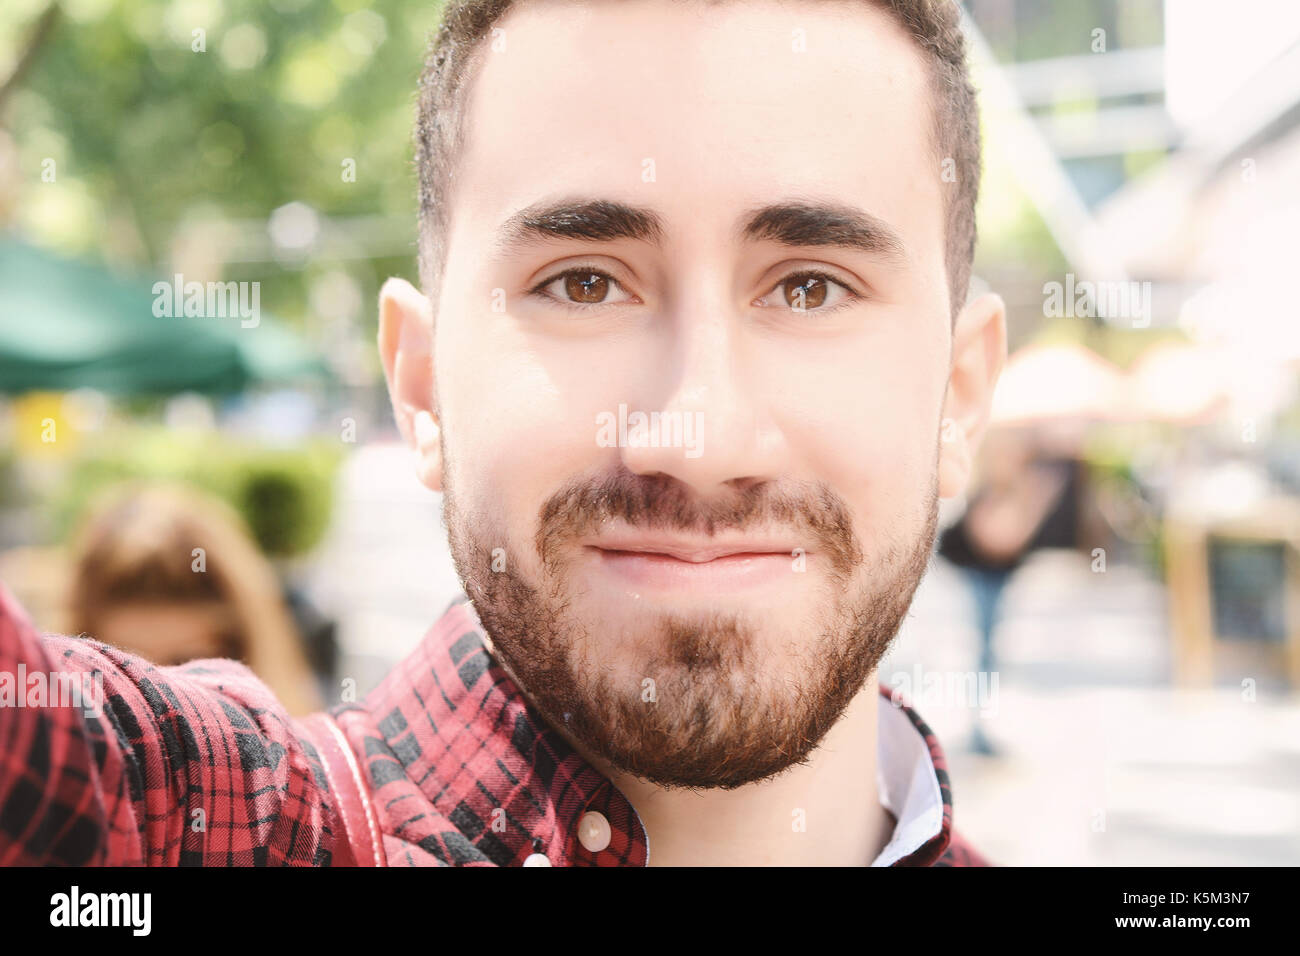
(712,723)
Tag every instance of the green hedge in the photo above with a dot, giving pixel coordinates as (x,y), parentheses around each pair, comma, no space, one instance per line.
(285,495)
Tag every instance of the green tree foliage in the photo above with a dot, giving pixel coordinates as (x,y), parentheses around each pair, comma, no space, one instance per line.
(164,119)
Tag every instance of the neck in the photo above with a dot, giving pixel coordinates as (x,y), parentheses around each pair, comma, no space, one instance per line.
(825,812)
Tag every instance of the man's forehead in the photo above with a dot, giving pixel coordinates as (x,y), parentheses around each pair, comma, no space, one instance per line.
(764,98)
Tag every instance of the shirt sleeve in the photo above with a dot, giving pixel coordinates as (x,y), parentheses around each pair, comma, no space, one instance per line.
(960,853)
(106,759)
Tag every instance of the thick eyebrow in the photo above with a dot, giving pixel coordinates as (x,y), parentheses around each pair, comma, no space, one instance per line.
(596,220)
(824,224)
(796,223)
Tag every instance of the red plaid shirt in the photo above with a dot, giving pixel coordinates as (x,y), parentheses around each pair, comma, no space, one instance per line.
(198,765)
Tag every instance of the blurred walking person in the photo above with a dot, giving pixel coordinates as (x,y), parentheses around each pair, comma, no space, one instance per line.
(1024,501)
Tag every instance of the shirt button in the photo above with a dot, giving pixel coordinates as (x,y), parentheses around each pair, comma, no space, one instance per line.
(537,859)
(593,831)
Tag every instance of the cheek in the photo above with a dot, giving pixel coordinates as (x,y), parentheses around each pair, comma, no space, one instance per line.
(865,419)
(519,427)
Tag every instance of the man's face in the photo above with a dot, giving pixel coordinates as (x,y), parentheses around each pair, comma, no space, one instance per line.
(694,597)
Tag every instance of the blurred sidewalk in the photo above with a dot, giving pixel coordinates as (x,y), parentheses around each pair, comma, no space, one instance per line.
(1102,761)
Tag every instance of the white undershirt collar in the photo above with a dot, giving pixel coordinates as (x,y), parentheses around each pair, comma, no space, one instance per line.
(907,782)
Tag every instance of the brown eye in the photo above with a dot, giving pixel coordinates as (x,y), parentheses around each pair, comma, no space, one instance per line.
(584,288)
(809,291)
(807,294)
(587,288)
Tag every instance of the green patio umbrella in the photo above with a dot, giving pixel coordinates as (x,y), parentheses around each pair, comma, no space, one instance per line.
(68,324)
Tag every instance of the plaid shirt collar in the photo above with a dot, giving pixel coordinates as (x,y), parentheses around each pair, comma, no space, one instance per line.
(454,732)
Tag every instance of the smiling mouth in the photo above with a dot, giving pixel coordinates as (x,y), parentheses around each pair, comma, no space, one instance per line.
(692,557)
(695,568)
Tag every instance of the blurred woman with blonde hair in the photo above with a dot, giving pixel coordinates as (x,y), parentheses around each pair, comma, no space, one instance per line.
(172,574)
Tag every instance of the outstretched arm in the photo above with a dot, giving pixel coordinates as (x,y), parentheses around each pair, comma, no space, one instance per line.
(106,759)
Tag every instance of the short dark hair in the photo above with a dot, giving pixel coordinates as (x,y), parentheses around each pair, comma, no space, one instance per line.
(934,26)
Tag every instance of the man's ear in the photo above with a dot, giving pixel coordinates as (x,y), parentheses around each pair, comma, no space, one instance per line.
(406,348)
(979,350)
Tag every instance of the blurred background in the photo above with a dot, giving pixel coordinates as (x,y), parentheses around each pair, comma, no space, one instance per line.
(1108,642)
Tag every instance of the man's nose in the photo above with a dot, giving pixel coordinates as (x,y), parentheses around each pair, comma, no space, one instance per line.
(715,427)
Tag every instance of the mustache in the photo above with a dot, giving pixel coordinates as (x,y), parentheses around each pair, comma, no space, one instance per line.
(662,503)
